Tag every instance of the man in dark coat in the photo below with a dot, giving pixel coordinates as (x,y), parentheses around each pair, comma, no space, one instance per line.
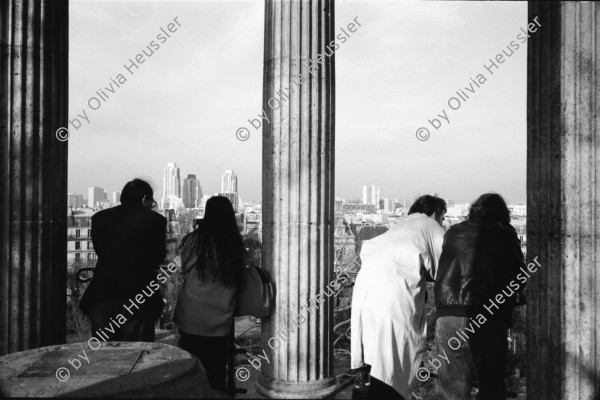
(130,241)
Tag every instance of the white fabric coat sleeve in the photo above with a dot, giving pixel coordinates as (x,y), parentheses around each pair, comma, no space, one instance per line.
(434,243)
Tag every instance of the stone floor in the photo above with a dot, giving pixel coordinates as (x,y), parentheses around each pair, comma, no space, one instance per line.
(248,334)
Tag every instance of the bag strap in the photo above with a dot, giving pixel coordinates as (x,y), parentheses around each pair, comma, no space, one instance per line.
(263,276)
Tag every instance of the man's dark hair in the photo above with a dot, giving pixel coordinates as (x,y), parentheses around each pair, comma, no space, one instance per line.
(490,206)
(428,205)
(134,191)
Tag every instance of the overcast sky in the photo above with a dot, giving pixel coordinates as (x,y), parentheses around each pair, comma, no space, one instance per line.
(400,68)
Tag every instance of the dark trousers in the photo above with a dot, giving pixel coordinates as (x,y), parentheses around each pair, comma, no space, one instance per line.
(483,357)
(212,351)
(379,390)
(138,328)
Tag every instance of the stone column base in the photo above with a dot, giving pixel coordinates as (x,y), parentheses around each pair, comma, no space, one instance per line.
(273,389)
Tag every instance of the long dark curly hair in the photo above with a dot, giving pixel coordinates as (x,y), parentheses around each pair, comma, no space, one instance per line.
(490,206)
(220,245)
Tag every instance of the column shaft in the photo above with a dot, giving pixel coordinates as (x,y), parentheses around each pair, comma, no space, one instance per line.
(298,197)
(563,360)
(33,173)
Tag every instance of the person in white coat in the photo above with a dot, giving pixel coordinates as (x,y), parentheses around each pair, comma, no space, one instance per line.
(388,326)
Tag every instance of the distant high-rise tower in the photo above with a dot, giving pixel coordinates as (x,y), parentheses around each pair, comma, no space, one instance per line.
(234,198)
(95,196)
(192,192)
(389,204)
(171,187)
(370,195)
(229,188)
(75,200)
(229,182)
(172,181)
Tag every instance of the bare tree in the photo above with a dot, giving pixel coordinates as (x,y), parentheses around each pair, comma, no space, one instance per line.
(184,222)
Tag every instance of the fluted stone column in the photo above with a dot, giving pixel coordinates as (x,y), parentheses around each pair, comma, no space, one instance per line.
(298,198)
(563,209)
(33,173)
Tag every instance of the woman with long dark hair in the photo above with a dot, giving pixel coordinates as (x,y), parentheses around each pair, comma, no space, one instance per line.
(476,289)
(211,258)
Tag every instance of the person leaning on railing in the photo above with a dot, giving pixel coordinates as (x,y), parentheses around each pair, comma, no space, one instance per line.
(388,326)
(480,260)
(130,243)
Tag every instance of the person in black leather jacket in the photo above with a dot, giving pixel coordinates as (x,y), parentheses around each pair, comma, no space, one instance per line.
(475,292)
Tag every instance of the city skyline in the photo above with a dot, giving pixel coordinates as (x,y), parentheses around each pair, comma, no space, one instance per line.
(373,190)
(483,144)
(356,194)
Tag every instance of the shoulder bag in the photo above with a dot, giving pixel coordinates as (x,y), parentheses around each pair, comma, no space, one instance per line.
(256,294)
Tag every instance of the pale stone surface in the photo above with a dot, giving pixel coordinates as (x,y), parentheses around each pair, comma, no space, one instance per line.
(116,369)
(563,207)
(298,198)
(33,173)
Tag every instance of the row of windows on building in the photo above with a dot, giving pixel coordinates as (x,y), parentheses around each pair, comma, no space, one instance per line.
(84,256)
(76,233)
(79,236)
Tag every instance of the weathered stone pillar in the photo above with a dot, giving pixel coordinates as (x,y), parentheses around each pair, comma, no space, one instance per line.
(563,209)
(33,173)
(298,197)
